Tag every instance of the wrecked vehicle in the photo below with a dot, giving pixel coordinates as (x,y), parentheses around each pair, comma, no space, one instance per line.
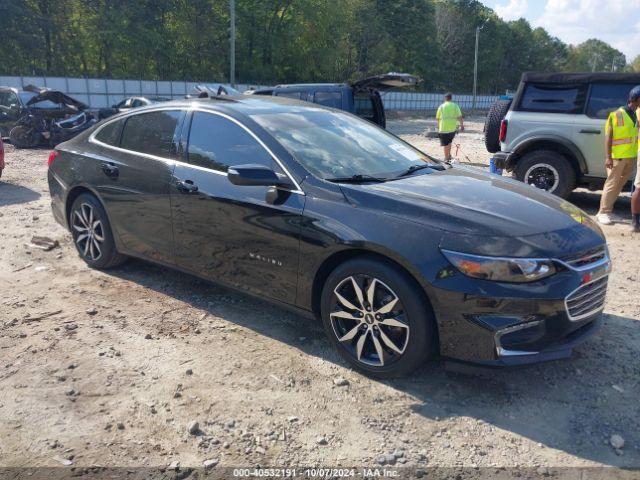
(361,98)
(127,104)
(35,116)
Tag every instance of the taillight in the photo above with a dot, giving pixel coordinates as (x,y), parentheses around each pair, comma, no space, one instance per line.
(503,130)
(52,156)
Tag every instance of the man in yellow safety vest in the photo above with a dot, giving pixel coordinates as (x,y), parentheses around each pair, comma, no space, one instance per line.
(621,148)
(448,116)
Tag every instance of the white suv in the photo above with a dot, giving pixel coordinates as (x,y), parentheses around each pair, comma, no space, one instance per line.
(552,135)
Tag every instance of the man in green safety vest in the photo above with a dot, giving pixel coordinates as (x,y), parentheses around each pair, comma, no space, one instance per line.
(621,148)
(448,116)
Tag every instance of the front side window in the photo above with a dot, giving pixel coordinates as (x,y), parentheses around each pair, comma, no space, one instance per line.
(606,97)
(150,133)
(110,133)
(333,144)
(217,143)
(328,99)
(553,98)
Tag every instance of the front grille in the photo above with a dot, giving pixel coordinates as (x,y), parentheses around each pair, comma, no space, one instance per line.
(585,259)
(587,300)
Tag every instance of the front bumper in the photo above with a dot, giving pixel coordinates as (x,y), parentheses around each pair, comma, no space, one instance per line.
(500,325)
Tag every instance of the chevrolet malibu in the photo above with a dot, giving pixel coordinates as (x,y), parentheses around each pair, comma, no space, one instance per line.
(401,256)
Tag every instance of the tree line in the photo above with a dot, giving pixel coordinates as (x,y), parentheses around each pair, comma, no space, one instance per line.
(279,41)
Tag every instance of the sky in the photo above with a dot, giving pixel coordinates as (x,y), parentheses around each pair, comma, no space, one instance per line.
(616,22)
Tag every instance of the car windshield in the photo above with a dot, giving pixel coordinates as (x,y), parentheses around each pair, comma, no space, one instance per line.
(337,145)
(26,96)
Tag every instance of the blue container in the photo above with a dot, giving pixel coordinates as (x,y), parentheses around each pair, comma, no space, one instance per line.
(492,167)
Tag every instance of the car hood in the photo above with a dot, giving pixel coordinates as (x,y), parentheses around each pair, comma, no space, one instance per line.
(467,201)
(54,96)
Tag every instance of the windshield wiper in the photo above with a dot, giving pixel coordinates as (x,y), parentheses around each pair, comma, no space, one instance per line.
(358,178)
(415,168)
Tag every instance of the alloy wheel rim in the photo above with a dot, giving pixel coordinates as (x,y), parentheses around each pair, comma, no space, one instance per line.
(369,320)
(88,232)
(543,176)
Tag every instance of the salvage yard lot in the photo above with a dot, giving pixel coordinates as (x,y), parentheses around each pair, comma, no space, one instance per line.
(110,368)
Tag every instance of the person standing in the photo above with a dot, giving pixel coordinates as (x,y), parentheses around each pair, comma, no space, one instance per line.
(621,146)
(635,202)
(448,116)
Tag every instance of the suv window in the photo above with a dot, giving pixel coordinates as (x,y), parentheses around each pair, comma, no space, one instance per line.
(110,133)
(328,99)
(364,106)
(553,98)
(294,95)
(7,99)
(606,97)
(216,143)
(150,133)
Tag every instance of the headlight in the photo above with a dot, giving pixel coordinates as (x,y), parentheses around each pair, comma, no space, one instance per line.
(499,269)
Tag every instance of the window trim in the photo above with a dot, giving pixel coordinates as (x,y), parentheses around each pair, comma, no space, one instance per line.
(189,109)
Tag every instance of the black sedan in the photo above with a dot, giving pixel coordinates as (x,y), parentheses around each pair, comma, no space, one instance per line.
(401,256)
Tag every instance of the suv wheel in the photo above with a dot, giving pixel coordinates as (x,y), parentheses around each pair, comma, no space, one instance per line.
(377,319)
(547,170)
(92,234)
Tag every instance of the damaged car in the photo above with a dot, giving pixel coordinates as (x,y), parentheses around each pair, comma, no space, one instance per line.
(40,116)
(361,98)
(127,104)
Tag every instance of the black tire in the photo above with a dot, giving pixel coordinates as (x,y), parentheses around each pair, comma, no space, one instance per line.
(101,236)
(547,170)
(415,340)
(492,124)
(22,136)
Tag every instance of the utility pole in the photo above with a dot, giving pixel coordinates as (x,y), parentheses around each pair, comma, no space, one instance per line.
(475,70)
(475,65)
(232,46)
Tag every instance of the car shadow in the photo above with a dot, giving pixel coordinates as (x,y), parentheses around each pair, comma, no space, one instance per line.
(590,202)
(572,405)
(11,194)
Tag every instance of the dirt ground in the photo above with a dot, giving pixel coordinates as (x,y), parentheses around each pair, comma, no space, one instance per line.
(110,368)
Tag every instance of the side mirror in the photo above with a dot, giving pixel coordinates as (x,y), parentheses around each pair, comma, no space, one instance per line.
(256,176)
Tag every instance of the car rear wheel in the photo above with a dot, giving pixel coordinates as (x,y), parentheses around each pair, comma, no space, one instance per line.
(547,170)
(92,233)
(377,318)
(22,136)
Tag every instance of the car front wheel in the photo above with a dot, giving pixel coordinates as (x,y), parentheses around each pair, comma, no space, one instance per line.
(377,318)
(92,233)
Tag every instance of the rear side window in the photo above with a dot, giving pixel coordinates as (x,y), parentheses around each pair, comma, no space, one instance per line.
(606,97)
(553,98)
(328,99)
(294,95)
(150,133)
(110,133)
(364,106)
(217,143)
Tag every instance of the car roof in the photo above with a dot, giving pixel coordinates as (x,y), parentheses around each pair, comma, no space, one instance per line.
(242,104)
(580,78)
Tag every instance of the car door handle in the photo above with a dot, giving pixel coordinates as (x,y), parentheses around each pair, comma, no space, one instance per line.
(590,131)
(186,186)
(110,170)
